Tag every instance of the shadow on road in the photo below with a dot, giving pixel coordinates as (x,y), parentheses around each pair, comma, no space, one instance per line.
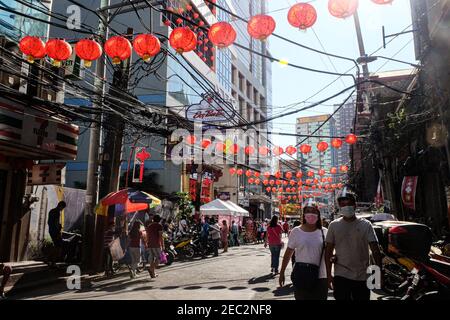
(284,291)
(262,279)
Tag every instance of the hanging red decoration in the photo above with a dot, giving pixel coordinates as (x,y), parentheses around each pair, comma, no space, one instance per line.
(336,143)
(235,148)
(179,21)
(299,175)
(278,182)
(292,182)
(268,189)
(351,138)
(248,173)
(316,181)
(274,189)
(266,182)
(310,173)
(188,7)
(183,39)
(257,181)
(239,172)
(146,46)
(343,168)
(118,49)
(249,150)
(191,139)
(232,171)
(288,190)
(322,146)
(196,15)
(251,180)
(300,183)
(220,147)
(290,150)
(264,151)
(32,47)
(278,175)
(329,179)
(59,50)
(285,183)
(261,26)
(280,189)
(278,151)
(321,172)
(293,189)
(222,34)
(88,50)
(342,8)
(272,182)
(302,15)
(288,175)
(206,143)
(256,174)
(305,148)
(382,1)
(333,170)
(267,174)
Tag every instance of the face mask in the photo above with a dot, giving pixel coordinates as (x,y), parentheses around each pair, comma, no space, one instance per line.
(311,218)
(348,211)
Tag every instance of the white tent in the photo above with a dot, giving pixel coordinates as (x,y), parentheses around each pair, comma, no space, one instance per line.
(217,207)
(239,210)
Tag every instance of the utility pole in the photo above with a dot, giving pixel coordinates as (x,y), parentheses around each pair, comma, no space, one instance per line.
(94,145)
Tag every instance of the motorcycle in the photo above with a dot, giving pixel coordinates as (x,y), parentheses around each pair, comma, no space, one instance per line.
(184,246)
(72,243)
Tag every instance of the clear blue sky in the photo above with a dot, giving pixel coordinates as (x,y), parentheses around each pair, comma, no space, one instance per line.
(337,36)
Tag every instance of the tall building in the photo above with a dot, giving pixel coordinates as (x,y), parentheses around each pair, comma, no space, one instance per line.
(344,124)
(305,127)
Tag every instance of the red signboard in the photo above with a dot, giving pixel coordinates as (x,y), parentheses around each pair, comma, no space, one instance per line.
(409,187)
(193,189)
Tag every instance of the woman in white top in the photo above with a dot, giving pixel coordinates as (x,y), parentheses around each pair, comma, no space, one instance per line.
(307,241)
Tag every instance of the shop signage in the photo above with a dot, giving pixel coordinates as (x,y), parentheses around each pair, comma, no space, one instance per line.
(49,173)
(409,187)
(210,110)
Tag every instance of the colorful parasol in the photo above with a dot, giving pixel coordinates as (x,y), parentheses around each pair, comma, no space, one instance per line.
(131,199)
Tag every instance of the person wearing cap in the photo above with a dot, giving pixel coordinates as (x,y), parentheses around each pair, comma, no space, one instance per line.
(350,237)
(307,241)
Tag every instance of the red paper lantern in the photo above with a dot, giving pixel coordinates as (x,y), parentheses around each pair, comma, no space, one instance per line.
(146,46)
(302,15)
(322,146)
(248,173)
(321,172)
(305,148)
(220,147)
(239,172)
(196,15)
(32,47)
(277,151)
(288,175)
(290,150)
(251,180)
(329,179)
(264,151)
(222,34)
(274,189)
(118,49)
(268,189)
(232,171)
(267,174)
(256,174)
(336,143)
(293,189)
(285,183)
(333,170)
(278,175)
(278,182)
(261,26)
(299,175)
(59,50)
(206,143)
(257,181)
(266,182)
(343,168)
(272,182)
(280,189)
(342,8)
(310,173)
(88,50)
(288,190)
(382,1)
(191,139)
(183,39)
(167,23)
(300,183)
(292,182)
(249,150)
(316,181)
(234,148)
(351,138)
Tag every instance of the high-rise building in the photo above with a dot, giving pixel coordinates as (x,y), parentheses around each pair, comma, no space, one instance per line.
(344,118)
(307,126)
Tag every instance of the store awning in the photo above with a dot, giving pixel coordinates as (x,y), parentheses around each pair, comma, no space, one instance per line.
(217,207)
(240,211)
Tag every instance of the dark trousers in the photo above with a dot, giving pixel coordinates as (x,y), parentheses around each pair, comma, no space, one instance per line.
(235,239)
(204,244)
(215,244)
(319,292)
(346,289)
(275,255)
(107,258)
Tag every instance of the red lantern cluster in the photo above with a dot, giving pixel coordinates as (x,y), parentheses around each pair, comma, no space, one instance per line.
(302,16)
(305,148)
(261,26)
(322,146)
(183,40)
(222,34)
(351,138)
(336,143)
(290,150)
(342,8)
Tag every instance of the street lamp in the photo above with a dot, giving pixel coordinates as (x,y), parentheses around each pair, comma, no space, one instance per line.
(364,60)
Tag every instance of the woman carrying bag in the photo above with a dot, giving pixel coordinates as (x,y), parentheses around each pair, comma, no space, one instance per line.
(309,275)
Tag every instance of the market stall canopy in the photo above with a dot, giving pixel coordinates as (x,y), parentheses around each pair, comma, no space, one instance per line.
(155,201)
(239,210)
(218,207)
(132,200)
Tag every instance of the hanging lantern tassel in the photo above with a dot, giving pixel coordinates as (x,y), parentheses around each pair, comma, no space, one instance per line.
(59,50)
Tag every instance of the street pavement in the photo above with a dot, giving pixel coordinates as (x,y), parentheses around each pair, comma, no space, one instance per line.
(243,273)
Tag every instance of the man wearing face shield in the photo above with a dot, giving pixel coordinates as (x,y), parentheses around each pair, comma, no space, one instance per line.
(350,237)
